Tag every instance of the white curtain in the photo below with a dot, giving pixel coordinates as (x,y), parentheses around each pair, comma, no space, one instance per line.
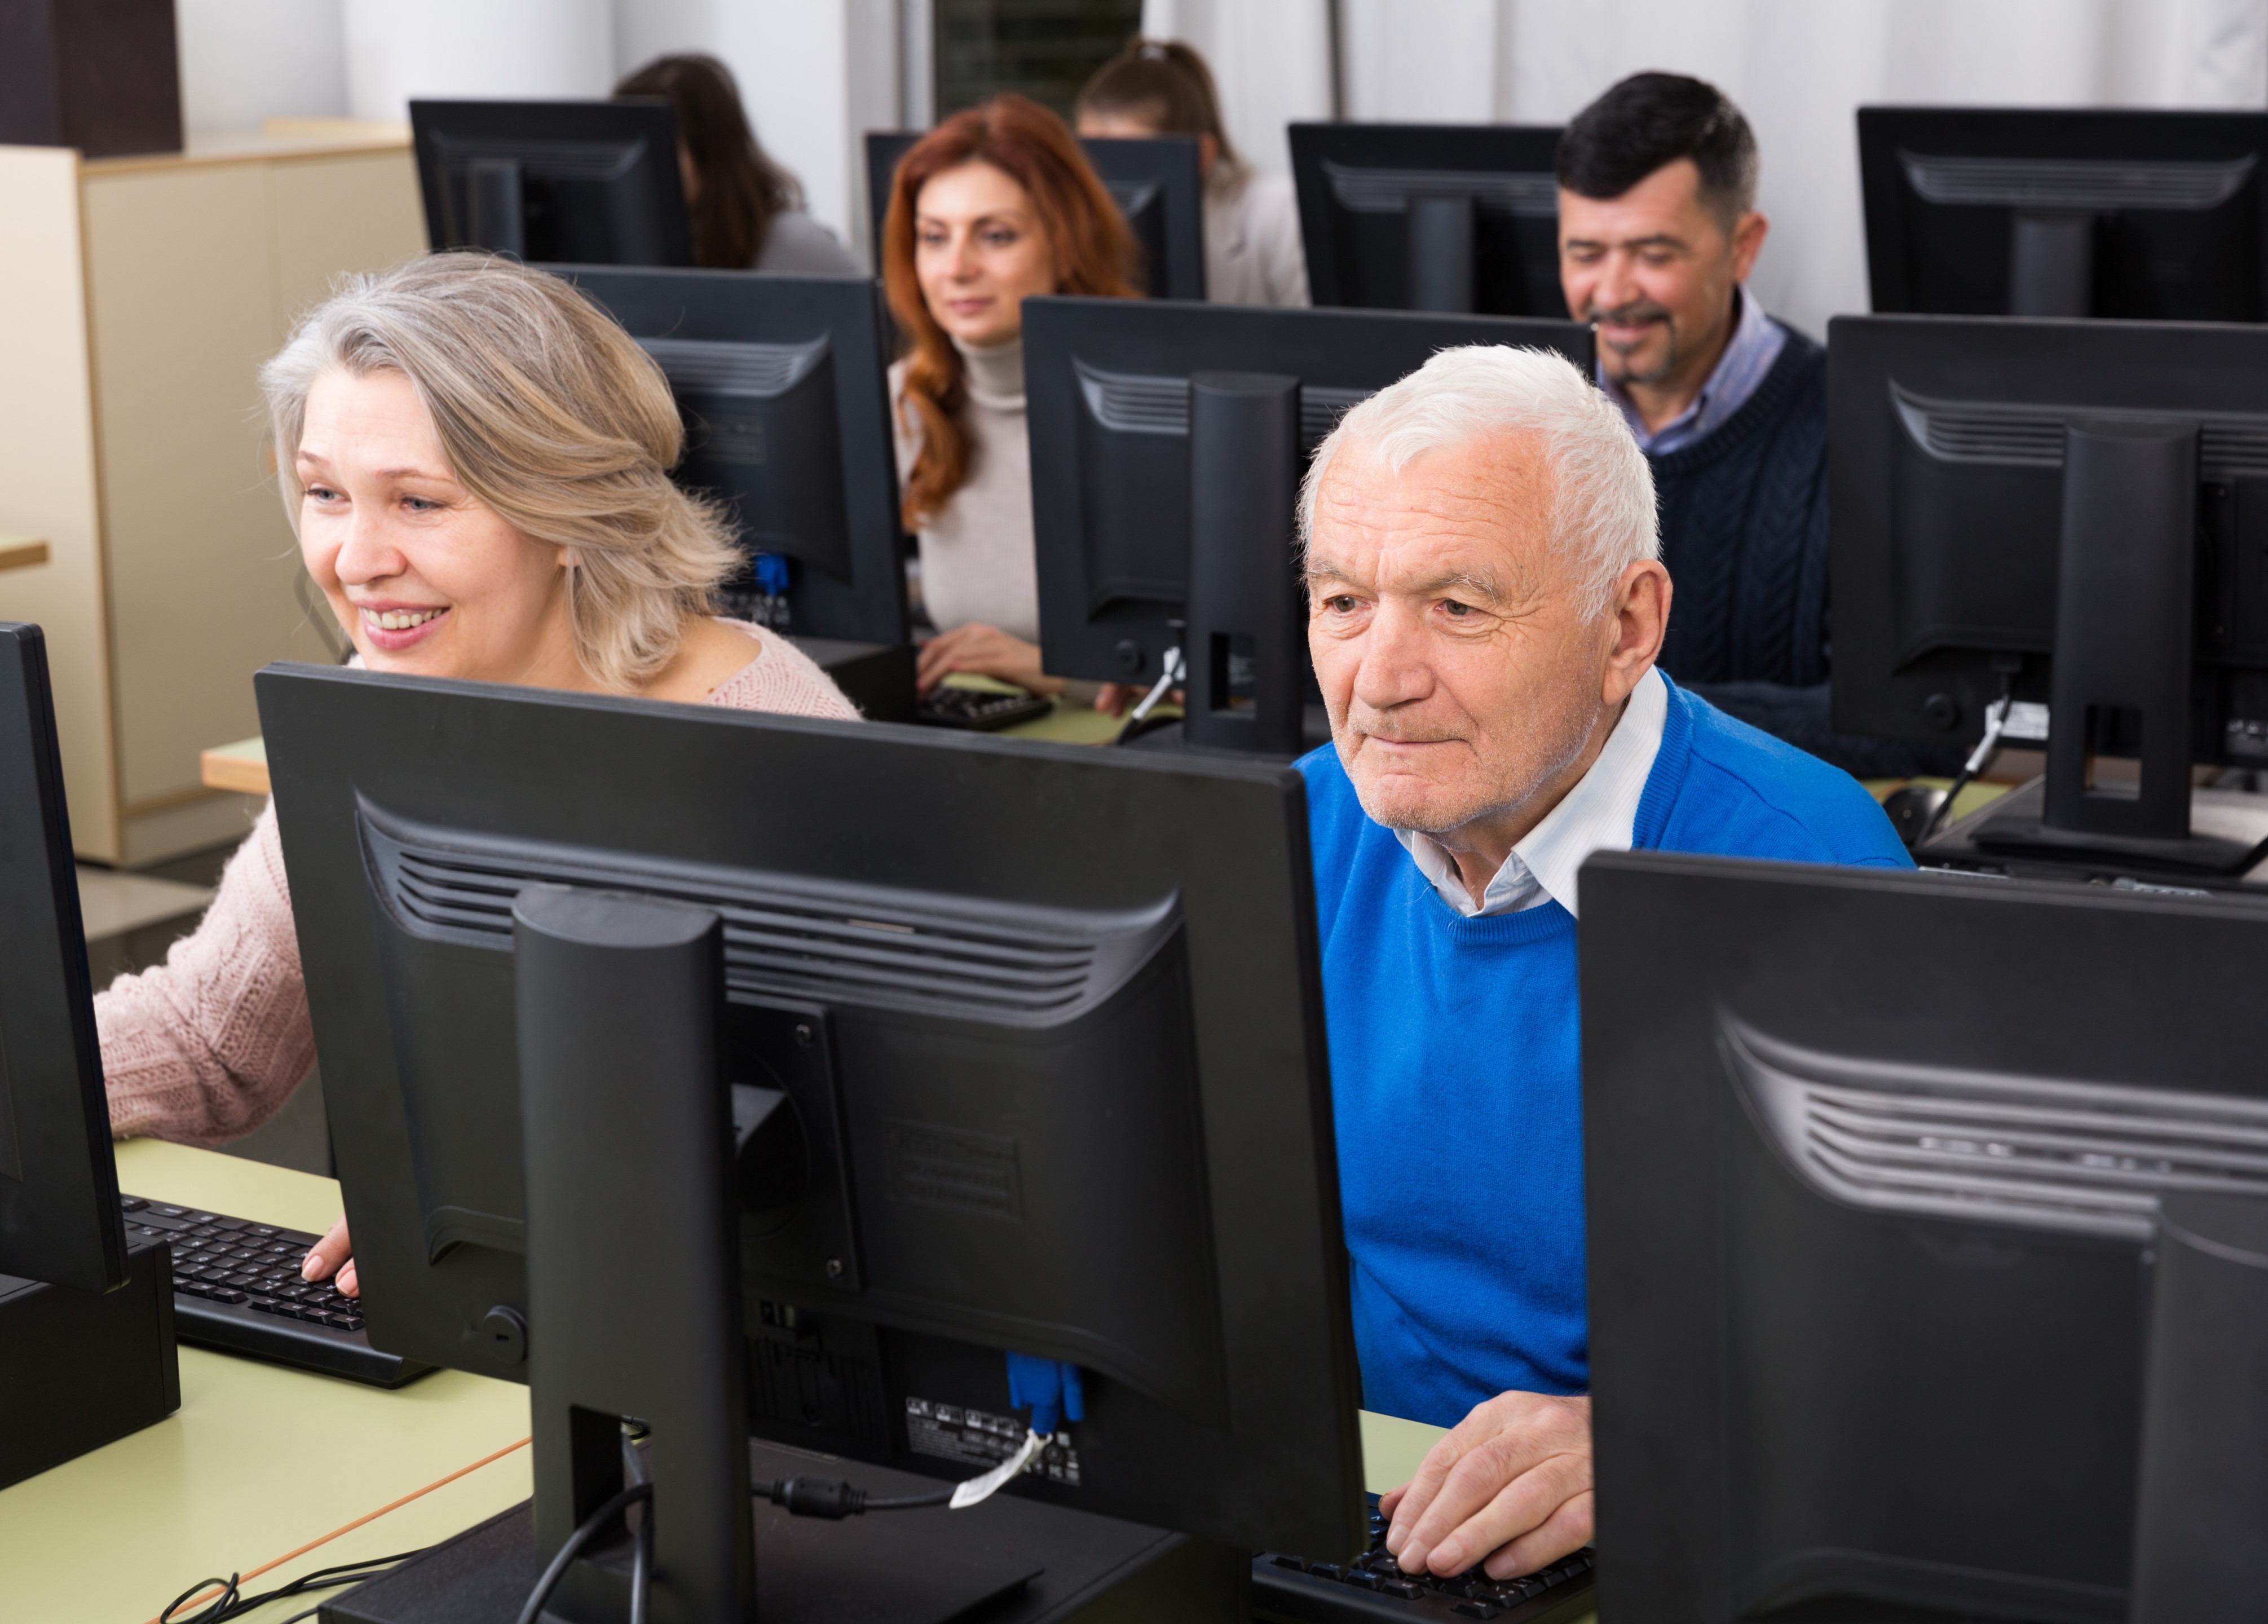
(1799,68)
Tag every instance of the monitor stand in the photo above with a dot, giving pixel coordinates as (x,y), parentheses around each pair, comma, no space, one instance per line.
(80,1368)
(2126,614)
(1009,1561)
(2223,820)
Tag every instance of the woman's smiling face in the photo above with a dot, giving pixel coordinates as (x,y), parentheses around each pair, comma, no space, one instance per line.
(425,578)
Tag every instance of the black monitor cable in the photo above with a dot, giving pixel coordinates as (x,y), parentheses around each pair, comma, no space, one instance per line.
(829,1498)
(232,1603)
(1996,722)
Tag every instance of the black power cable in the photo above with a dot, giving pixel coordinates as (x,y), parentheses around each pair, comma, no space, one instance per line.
(232,1603)
(584,1532)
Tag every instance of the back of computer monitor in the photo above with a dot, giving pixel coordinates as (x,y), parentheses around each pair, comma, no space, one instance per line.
(1156,184)
(2150,215)
(582,182)
(59,1215)
(1045,1104)
(1108,382)
(1948,469)
(1872,1178)
(1431,217)
(782,382)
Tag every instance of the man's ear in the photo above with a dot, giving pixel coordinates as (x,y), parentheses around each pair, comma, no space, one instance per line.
(1638,618)
(1749,232)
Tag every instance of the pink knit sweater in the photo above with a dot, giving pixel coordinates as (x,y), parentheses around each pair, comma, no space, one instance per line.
(208,1045)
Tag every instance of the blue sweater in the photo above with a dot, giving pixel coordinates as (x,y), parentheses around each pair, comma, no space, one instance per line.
(1456,1076)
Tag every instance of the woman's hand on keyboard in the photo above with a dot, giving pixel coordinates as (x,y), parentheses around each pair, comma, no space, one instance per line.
(333,1253)
(986,650)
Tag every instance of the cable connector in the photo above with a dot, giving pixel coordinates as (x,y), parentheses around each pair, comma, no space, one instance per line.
(832,1499)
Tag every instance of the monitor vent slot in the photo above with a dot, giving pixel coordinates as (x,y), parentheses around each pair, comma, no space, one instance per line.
(2031,437)
(716,366)
(1992,1148)
(1140,403)
(1133,196)
(1135,402)
(789,935)
(1320,409)
(547,160)
(1530,195)
(2075,184)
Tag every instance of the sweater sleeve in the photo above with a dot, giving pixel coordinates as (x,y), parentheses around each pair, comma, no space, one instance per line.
(208,1045)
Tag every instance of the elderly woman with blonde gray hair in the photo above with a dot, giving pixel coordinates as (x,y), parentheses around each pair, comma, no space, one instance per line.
(476,462)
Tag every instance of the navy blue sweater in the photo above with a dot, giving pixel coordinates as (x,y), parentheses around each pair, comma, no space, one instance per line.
(1744,533)
(1456,1076)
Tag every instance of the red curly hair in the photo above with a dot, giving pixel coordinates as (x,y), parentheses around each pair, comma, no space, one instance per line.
(1095,255)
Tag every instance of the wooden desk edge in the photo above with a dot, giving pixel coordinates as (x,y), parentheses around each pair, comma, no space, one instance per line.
(219,770)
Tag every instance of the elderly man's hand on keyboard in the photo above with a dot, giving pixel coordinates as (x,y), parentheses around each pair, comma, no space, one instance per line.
(1509,1488)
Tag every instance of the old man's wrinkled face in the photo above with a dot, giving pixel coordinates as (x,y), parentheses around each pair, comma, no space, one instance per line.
(1458,654)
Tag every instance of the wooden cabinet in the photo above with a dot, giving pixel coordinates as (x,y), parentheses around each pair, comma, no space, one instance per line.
(138,298)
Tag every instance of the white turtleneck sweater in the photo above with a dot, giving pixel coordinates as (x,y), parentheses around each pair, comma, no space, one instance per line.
(977,556)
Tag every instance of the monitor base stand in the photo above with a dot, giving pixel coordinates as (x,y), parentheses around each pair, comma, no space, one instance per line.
(81,1369)
(2228,839)
(1010,1560)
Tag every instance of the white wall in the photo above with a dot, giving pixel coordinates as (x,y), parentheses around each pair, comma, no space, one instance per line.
(397,49)
(243,60)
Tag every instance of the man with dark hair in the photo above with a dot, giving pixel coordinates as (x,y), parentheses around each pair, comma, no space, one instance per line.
(1658,231)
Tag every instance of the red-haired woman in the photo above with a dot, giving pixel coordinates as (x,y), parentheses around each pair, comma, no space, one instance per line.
(994,205)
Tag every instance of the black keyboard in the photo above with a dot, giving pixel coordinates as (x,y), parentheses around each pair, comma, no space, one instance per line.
(980,709)
(237,1287)
(1374,1586)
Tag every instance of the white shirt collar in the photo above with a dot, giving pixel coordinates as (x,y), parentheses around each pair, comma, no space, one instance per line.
(1599,814)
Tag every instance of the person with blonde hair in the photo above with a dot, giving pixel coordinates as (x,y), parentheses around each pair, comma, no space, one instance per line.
(476,461)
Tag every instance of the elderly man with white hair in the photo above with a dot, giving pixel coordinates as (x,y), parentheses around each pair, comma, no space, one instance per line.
(1486,604)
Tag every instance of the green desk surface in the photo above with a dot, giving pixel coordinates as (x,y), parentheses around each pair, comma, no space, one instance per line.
(259,1461)
(265,1466)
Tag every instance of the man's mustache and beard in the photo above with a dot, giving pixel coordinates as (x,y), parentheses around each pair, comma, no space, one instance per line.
(1637,311)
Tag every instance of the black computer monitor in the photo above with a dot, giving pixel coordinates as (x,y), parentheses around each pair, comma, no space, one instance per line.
(86,1324)
(1431,216)
(1168,445)
(586,182)
(1874,1177)
(1071,1108)
(782,382)
(2065,211)
(1155,183)
(2075,511)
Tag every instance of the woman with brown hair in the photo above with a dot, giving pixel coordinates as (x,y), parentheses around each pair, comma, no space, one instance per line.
(993,206)
(1162,87)
(747,212)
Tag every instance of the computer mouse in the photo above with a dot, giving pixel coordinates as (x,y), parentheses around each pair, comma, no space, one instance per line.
(1910,808)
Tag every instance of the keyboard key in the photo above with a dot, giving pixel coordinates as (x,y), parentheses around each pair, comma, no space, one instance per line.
(224,1294)
(162,1218)
(1326,1570)
(1363,1578)
(265,1232)
(271,1305)
(228,1223)
(169,1212)
(1402,1588)
(131,1203)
